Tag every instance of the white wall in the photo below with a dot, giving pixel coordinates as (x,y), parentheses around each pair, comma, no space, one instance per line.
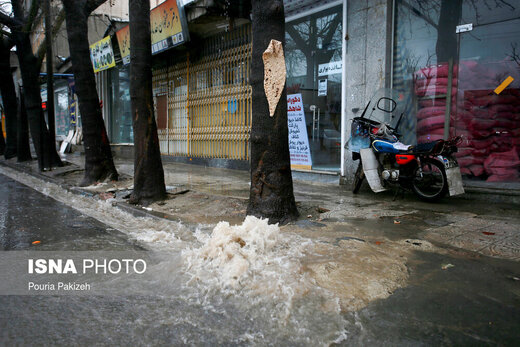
(365,61)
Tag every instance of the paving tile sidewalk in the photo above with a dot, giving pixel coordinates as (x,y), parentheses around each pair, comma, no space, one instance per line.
(214,194)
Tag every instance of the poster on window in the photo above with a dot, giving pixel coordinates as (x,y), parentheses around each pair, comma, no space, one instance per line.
(298,139)
(322,87)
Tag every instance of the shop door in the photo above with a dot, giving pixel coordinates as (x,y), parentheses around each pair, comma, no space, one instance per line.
(314,70)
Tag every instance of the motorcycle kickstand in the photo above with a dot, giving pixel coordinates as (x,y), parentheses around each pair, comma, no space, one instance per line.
(397,191)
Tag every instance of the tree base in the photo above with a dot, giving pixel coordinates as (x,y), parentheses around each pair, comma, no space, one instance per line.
(22,159)
(273,219)
(98,175)
(145,201)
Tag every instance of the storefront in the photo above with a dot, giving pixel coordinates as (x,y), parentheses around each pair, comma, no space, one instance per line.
(203,98)
(447,56)
(314,60)
(66,114)
(459,61)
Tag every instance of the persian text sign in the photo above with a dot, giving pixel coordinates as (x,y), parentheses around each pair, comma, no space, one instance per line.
(123,38)
(101,55)
(165,25)
(331,68)
(298,139)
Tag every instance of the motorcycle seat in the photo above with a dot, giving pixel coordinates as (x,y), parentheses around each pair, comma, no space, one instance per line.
(424,148)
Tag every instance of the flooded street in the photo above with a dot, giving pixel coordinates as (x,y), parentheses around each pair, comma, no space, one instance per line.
(189,304)
(312,283)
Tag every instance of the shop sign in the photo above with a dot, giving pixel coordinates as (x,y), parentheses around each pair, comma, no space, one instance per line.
(322,87)
(334,67)
(123,39)
(43,94)
(168,29)
(166,26)
(299,148)
(464,28)
(102,55)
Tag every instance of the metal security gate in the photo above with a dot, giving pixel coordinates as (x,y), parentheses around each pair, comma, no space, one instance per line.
(209,100)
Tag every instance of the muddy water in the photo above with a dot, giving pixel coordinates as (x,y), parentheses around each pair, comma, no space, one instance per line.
(237,285)
(255,284)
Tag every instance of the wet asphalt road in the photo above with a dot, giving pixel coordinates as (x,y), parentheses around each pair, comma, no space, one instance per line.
(27,216)
(476,302)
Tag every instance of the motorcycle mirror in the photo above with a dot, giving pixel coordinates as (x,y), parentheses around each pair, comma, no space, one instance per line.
(386,105)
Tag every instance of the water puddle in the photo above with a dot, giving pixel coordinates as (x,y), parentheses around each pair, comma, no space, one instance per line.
(241,284)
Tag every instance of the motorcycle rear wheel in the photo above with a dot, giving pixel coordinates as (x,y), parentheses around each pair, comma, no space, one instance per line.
(430,183)
(359,176)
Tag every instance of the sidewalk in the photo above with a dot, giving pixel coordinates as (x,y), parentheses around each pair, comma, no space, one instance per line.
(366,238)
(208,195)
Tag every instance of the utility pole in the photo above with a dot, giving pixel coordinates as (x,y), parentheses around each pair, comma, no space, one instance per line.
(50,76)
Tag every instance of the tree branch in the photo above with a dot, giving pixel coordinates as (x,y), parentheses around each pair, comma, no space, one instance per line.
(420,14)
(91,5)
(58,21)
(6,40)
(9,21)
(33,12)
(296,37)
(331,30)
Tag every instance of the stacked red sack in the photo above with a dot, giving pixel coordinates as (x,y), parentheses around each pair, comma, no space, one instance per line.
(489,123)
(431,86)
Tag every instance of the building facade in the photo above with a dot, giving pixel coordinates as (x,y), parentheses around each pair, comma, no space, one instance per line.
(446,56)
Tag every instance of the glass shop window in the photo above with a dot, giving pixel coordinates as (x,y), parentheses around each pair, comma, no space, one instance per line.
(453,55)
(121,116)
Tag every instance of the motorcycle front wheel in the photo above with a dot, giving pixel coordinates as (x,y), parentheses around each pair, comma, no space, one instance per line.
(429,181)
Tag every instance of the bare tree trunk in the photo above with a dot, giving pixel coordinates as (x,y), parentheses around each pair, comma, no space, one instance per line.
(43,144)
(2,141)
(271,194)
(99,164)
(23,146)
(9,100)
(50,73)
(148,171)
(30,68)
(447,38)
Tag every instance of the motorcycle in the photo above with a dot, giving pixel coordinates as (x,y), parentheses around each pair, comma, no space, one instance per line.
(427,169)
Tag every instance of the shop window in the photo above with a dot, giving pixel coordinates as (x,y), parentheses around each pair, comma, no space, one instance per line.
(120,112)
(61,110)
(451,76)
(314,75)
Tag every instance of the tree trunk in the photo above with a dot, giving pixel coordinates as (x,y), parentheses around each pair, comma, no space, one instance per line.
(447,38)
(45,146)
(50,73)
(23,146)
(2,141)
(148,171)
(99,164)
(9,100)
(271,194)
